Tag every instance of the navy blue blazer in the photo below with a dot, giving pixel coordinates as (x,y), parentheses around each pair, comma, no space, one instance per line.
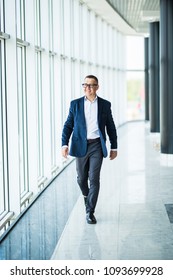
(75,125)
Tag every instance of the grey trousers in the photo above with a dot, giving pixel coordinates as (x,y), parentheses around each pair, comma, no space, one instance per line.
(88,174)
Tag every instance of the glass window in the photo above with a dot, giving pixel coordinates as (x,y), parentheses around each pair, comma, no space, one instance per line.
(67,33)
(135,78)
(3,139)
(52,113)
(2,16)
(37,23)
(62,28)
(135,53)
(93,34)
(20,8)
(81,32)
(2,191)
(52,87)
(51,32)
(76,25)
(39,114)
(22,122)
(135,95)
(40,146)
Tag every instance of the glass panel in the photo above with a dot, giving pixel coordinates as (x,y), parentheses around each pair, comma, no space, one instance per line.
(135,96)
(135,78)
(2,191)
(39,114)
(67,25)
(51,25)
(20,9)
(52,90)
(3,134)
(22,125)
(37,23)
(135,58)
(52,112)
(2,15)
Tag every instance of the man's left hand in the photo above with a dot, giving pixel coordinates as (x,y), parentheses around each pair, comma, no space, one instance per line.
(113,154)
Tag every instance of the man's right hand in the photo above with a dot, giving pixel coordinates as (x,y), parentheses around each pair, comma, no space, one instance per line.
(64,152)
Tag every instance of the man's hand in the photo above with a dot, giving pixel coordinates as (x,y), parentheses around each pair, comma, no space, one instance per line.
(64,152)
(113,154)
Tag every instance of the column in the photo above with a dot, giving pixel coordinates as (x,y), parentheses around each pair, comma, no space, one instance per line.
(166,75)
(146,72)
(154,84)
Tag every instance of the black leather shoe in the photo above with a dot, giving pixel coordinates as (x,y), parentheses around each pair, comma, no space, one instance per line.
(90,218)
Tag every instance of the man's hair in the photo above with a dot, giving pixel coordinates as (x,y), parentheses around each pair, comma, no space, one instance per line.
(92,77)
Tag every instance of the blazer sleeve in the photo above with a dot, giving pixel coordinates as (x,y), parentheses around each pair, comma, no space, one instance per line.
(68,126)
(111,129)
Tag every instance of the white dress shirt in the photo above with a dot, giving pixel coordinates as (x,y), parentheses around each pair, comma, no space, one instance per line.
(91,118)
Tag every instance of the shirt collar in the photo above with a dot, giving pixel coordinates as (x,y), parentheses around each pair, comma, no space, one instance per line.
(86,99)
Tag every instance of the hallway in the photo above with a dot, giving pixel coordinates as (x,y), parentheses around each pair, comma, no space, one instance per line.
(134,211)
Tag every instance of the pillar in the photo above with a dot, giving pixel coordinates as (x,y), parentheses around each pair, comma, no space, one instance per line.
(154,81)
(166,76)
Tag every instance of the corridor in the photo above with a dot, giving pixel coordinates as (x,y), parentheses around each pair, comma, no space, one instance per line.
(134,211)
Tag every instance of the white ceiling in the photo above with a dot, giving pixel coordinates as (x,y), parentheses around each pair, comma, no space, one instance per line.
(131,17)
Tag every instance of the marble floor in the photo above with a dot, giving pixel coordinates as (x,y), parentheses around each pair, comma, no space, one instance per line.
(134,211)
(135,207)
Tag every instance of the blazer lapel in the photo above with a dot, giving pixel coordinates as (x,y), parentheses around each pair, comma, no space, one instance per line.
(100,106)
(81,109)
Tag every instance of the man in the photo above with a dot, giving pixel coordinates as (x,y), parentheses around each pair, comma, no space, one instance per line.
(88,118)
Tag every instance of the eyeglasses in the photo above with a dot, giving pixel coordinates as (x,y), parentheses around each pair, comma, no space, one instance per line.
(89,85)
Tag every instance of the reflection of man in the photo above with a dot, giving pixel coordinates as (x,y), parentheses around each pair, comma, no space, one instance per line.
(89,247)
(88,118)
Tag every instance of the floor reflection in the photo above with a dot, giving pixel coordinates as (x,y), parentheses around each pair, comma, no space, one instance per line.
(89,247)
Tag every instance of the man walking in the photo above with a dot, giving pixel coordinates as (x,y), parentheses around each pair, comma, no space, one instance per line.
(89,119)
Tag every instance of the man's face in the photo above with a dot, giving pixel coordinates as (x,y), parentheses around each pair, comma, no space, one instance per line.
(90,87)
